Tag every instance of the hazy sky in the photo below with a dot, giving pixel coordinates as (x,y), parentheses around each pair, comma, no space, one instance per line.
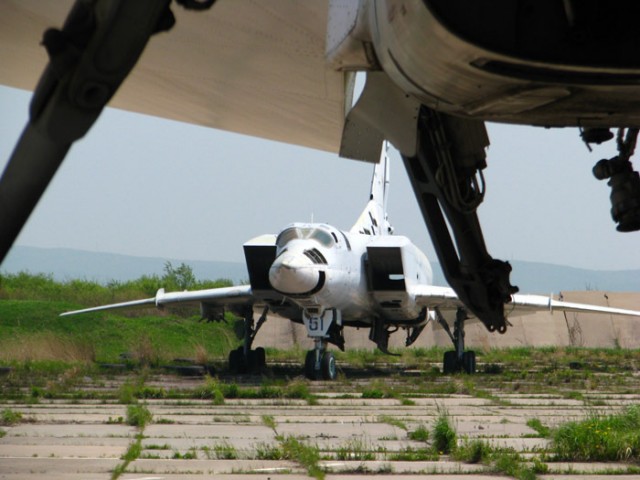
(145,186)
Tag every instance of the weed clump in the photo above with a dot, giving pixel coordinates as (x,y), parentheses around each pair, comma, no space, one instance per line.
(306,455)
(420,434)
(475,451)
(537,425)
(138,416)
(444,435)
(600,438)
(10,417)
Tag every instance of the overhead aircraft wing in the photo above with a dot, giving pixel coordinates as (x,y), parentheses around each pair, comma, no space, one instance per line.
(214,297)
(252,67)
(445,299)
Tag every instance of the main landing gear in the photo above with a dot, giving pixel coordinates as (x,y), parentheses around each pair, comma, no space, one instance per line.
(243,359)
(319,363)
(446,176)
(457,360)
(623,179)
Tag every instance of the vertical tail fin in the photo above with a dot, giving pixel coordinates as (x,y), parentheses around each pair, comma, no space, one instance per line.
(374,220)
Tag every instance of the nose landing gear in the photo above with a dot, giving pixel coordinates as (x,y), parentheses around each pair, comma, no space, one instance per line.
(320,363)
(326,327)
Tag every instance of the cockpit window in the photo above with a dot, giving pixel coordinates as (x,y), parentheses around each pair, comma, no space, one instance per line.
(322,236)
(286,236)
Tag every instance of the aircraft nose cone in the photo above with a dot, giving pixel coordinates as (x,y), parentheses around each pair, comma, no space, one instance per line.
(294,274)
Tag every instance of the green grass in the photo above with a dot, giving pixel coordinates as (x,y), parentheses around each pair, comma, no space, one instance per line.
(505,461)
(409,454)
(270,422)
(132,453)
(444,435)
(355,449)
(420,434)
(600,438)
(538,426)
(395,422)
(221,451)
(22,285)
(33,331)
(474,451)
(306,455)
(10,417)
(138,416)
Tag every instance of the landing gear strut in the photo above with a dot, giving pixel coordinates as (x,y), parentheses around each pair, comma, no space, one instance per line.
(446,176)
(624,182)
(323,328)
(457,360)
(243,359)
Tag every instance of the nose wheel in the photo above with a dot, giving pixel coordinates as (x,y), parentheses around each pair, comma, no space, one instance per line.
(320,364)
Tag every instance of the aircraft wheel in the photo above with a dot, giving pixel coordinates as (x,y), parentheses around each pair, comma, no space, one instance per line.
(252,361)
(261,357)
(469,362)
(235,357)
(310,365)
(328,366)
(450,363)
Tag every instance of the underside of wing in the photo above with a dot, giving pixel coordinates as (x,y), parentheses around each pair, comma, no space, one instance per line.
(227,297)
(445,299)
(431,296)
(246,66)
(525,304)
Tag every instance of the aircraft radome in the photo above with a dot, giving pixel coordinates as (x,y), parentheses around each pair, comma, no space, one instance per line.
(284,69)
(328,279)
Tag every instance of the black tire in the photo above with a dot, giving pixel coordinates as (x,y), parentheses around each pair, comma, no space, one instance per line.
(450,363)
(469,362)
(261,358)
(328,366)
(252,361)
(310,365)
(234,360)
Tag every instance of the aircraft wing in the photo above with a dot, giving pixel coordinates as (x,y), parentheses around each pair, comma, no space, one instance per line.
(445,298)
(252,67)
(211,298)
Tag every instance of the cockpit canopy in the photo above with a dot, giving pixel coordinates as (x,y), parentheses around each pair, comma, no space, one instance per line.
(320,233)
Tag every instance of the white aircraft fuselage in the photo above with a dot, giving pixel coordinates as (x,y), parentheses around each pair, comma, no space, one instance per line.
(319,267)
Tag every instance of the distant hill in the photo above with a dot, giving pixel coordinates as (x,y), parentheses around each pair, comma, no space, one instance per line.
(66,264)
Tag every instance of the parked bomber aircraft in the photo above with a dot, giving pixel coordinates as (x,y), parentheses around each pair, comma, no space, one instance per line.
(284,70)
(328,279)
